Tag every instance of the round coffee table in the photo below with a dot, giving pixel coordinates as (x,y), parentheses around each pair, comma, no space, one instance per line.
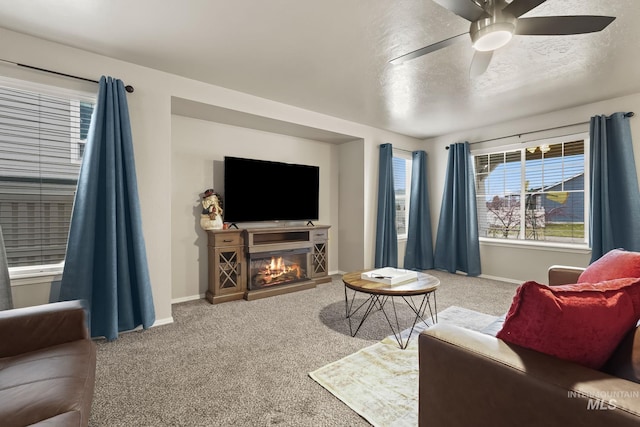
(379,295)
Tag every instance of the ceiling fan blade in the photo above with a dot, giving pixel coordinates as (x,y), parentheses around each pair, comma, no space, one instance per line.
(480,63)
(431,48)
(520,7)
(467,9)
(561,25)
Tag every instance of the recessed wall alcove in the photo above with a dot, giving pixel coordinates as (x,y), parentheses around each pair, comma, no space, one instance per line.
(202,134)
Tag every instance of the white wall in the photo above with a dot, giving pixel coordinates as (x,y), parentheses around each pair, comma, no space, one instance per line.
(351,206)
(151,121)
(526,263)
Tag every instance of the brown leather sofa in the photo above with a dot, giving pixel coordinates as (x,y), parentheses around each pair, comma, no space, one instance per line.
(470,378)
(47,366)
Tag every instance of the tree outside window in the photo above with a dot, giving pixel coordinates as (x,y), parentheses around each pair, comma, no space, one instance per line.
(533,193)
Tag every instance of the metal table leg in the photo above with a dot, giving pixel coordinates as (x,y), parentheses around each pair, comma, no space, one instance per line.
(372,302)
(419,312)
(376,301)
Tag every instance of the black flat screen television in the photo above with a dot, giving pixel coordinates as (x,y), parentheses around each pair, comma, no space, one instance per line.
(259,190)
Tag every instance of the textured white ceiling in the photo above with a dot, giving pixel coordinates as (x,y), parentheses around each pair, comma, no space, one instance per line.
(331,56)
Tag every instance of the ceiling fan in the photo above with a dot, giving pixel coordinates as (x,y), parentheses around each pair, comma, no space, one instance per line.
(494,22)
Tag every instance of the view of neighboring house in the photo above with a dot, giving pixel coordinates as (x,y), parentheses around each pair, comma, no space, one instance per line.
(564,201)
(38,180)
(544,190)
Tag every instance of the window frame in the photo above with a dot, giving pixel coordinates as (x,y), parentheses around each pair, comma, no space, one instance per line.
(36,272)
(78,144)
(583,246)
(74,137)
(408,158)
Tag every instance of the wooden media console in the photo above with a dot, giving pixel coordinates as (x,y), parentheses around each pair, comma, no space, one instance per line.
(260,262)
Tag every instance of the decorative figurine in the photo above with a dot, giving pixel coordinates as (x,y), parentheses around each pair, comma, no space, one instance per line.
(211,216)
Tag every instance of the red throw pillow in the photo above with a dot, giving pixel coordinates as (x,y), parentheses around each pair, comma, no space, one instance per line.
(615,264)
(582,323)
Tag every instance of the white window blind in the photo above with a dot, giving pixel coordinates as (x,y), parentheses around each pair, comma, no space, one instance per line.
(42,139)
(534,193)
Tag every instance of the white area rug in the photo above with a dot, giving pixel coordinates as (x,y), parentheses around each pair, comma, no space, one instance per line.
(380,382)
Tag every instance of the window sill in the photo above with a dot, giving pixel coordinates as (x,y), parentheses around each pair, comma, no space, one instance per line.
(35,271)
(577,248)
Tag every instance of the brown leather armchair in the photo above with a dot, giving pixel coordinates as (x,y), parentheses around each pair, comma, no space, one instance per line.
(47,366)
(469,378)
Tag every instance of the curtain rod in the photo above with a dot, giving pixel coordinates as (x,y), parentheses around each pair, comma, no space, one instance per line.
(629,114)
(128,88)
(402,149)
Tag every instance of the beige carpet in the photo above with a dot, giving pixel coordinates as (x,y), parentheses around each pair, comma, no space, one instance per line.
(247,363)
(380,382)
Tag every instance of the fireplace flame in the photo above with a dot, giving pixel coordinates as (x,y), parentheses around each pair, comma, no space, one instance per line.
(277,268)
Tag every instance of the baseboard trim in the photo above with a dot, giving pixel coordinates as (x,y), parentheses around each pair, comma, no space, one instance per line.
(501,279)
(164,321)
(185,299)
(158,322)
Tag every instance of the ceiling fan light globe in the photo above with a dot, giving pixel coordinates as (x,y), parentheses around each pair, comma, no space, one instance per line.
(491,34)
(492,41)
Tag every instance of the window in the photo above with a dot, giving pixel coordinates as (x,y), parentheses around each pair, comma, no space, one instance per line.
(80,118)
(402,187)
(42,134)
(534,193)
